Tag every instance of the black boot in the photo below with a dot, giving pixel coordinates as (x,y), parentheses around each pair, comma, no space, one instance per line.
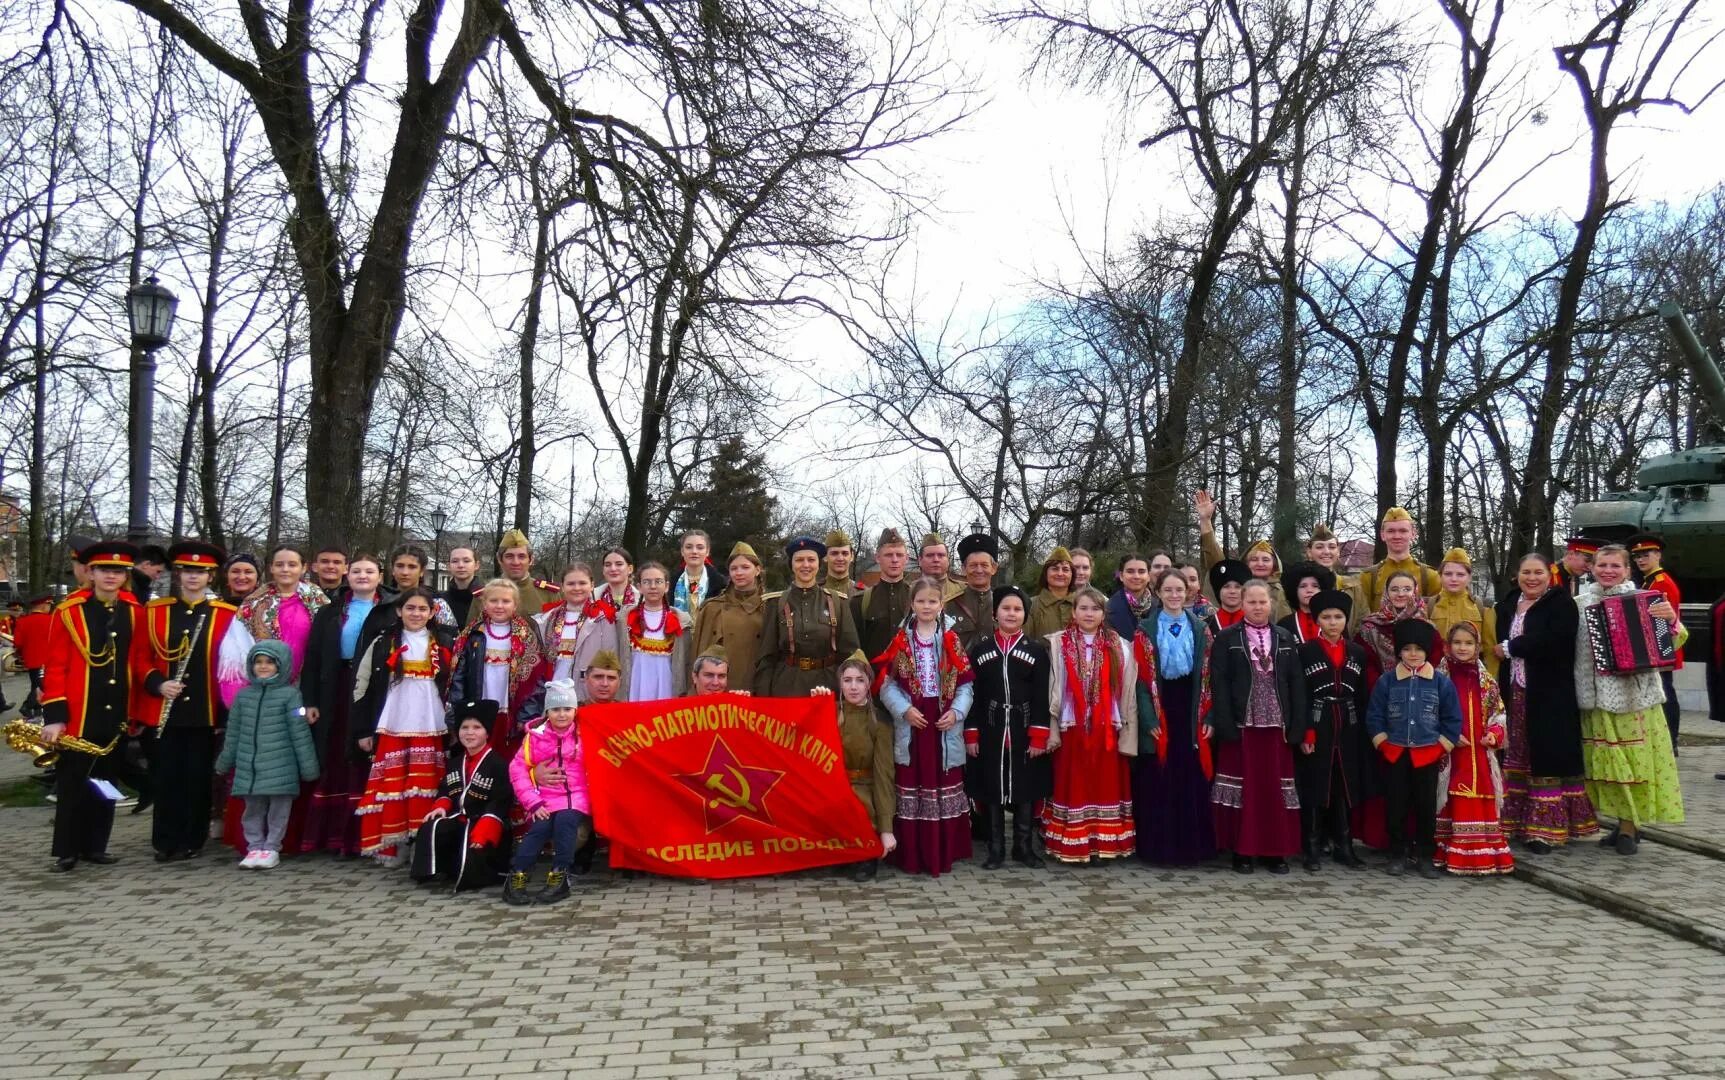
(865,870)
(556,888)
(515,889)
(1342,849)
(1313,860)
(996,815)
(1024,836)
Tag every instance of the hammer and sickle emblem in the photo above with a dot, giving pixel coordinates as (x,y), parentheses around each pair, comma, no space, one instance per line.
(726,795)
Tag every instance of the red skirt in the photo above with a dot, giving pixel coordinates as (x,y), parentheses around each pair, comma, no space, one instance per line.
(1254,800)
(1470,840)
(932,822)
(406,774)
(1090,812)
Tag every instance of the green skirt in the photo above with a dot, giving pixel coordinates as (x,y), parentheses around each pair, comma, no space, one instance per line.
(1631,772)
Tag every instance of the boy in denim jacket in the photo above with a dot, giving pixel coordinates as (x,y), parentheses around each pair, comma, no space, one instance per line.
(1414,719)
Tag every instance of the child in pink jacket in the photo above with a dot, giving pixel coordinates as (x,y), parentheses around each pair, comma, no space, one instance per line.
(551,785)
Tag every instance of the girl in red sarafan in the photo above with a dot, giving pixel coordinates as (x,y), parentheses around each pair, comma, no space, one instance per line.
(925,683)
(1091,690)
(1469,839)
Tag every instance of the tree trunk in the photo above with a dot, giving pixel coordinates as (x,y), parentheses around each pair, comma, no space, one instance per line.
(529,446)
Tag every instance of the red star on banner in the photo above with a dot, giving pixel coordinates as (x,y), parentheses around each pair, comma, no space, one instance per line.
(729,789)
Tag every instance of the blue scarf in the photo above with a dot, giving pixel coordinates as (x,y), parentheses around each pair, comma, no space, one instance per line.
(1173,645)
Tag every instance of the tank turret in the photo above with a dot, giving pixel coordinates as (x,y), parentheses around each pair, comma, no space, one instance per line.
(1679,497)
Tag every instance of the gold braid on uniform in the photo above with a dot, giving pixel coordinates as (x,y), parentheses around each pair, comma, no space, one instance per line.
(96,658)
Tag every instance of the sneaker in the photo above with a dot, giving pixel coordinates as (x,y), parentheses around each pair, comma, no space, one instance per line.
(269,860)
(556,888)
(515,889)
(129,800)
(250,862)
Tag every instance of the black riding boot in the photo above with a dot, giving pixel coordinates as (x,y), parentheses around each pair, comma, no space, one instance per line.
(996,814)
(1023,836)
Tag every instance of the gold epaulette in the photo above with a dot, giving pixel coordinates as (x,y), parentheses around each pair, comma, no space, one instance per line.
(772,595)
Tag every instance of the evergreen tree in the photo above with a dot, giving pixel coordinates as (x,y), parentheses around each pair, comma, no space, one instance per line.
(733,505)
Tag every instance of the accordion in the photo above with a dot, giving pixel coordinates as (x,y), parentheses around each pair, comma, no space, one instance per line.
(1626,638)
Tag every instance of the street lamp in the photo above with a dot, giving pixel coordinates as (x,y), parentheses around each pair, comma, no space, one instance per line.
(438,520)
(150,313)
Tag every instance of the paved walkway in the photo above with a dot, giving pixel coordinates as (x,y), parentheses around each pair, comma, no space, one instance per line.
(332,968)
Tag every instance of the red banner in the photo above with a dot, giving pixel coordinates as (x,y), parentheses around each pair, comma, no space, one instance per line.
(723,786)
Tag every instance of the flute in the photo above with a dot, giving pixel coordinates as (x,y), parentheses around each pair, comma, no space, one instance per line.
(190,643)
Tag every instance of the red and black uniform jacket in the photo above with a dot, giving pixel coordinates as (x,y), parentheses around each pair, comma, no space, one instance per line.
(98,657)
(169,624)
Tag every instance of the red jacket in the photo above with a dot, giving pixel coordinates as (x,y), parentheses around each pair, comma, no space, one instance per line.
(96,700)
(1661,581)
(30,637)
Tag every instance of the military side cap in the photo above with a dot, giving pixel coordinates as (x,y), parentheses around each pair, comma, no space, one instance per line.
(513,539)
(890,537)
(715,651)
(113,553)
(742,549)
(1458,556)
(838,538)
(1321,531)
(931,539)
(978,542)
(196,555)
(1059,554)
(1396,513)
(1641,542)
(1332,600)
(1229,570)
(805,543)
(605,660)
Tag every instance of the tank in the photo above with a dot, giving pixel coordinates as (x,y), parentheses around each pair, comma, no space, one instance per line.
(1679,497)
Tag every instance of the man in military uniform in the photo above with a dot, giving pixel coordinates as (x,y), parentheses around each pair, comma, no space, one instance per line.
(841,557)
(97,655)
(1577,564)
(806,632)
(515,557)
(1397,533)
(934,562)
(880,609)
(972,611)
(1325,549)
(185,633)
(1648,551)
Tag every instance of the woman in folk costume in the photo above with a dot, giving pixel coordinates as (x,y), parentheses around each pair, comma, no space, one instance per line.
(1135,599)
(280,611)
(1258,695)
(1091,694)
(1306,580)
(1454,604)
(1378,630)
(1625,742)
(463,840)
(498,658)
(656,656)
(1006,733)
(239,578)
(867,745)
(407,572)
(925,683)
(324,819)
(617,566)
(1331,774)
(398,718)
(1261,560)
(576,629)
(1171,775)
(732,620)
(1228,585)
(1470,786)
(1051,609)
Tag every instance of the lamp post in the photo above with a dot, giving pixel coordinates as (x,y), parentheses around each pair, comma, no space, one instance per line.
(438,520)
(150,313)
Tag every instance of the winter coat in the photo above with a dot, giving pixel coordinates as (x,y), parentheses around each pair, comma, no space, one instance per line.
(1231,683)
(268,744)
(1546,644)
(1414,709)
(543,745)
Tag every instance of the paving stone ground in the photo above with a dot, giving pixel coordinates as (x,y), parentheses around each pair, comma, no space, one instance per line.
(326,968)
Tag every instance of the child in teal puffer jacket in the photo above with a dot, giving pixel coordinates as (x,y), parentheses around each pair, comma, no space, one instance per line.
(270,750)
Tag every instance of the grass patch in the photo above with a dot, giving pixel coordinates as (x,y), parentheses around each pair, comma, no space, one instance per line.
(23,791)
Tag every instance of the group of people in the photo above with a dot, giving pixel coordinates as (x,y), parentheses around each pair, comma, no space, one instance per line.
(1233,705)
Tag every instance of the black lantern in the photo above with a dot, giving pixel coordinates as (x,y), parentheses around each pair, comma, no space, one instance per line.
(150,310)
(978,527)
(438,520)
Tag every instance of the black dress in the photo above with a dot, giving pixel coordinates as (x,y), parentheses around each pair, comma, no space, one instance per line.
(441,852)
(1011,698)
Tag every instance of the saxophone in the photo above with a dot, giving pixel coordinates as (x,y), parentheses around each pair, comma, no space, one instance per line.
(26,738)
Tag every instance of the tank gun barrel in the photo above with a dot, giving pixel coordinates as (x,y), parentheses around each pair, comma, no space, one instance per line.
(1701,363)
